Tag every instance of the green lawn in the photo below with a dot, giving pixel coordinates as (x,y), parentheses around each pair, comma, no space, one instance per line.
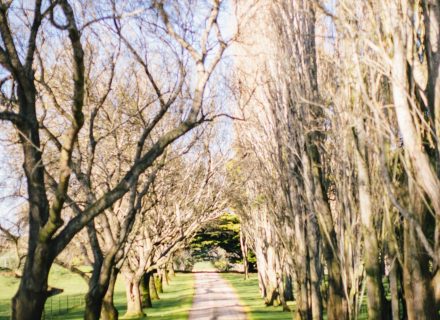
(73,286)
(175,302)
(202,266)
(250,297)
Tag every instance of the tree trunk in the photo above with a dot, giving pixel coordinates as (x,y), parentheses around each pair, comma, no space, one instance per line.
(145,290)
(134,305)
(28,302)
(303,310)
(267,271)
(419,295)
(394,292)
(375,291)
(93,305)
(337,307)
(244,252)
(98,287)
(166,275)
(288,288)
(153,290)
(315,268)
(109,311)
(282,296)
(28,305)
(171,270)
(158,280)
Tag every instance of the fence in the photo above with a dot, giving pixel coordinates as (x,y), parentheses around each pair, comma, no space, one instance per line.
(7,262)
(60,304)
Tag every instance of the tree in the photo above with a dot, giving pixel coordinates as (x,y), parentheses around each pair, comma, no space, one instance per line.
(58,23)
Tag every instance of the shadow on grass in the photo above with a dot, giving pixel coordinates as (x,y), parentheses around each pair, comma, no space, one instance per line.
(249,295)
(175,302)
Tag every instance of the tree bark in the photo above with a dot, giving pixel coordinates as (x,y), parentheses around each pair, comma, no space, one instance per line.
(153,290)
(171,271)
(109,311)
(337,307)
(418,289)
(145,290)
(303,310)
(375,291)
(134,304)
(28,302)
(315,268)
(394,292)
(158,280)
(98,287)
(288,288)
(244,252)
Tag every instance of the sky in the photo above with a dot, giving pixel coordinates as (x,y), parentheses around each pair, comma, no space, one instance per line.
(8,206)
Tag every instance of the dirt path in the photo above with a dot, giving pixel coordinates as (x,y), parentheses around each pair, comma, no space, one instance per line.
(214,299)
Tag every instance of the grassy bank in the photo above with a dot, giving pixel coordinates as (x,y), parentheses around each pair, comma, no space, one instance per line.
(248,292)
(174,303)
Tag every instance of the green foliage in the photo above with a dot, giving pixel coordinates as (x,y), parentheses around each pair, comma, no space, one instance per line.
(222,264)
(223,233)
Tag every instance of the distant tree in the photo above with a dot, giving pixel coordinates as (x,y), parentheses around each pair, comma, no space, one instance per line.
(223,233)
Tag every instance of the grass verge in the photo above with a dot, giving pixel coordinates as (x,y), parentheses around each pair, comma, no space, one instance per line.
(250,298)
(174,303)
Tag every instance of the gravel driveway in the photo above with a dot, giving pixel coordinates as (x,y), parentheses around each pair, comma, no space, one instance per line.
(214,299)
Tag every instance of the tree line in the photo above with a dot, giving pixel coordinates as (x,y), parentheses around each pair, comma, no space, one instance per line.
(337,163)
(99,96)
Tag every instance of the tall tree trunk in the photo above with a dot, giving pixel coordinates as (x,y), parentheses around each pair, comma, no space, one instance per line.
(303,309)
(153,289)
(94,298)
(282,294)
(315,268)
(109,311)
(272,294)
(244,253)
(159,282)
(288,288)
(394,291)
(98,287)
(418,289)
(337,307)
(375,291)
(419,295)
(134,304)
(166,275)
(145,290)
(28,302)
(171,271)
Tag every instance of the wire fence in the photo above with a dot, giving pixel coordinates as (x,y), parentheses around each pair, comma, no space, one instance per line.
(59,305)
(7,262)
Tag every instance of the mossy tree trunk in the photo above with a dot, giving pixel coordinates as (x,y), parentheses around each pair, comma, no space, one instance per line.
(153,290)
(145,290)
(134,303)
(109,311)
